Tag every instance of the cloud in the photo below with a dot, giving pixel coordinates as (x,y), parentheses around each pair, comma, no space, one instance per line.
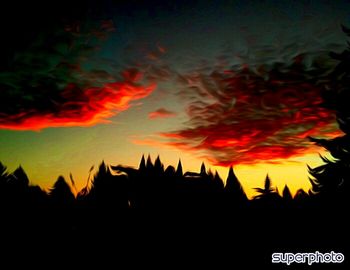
(56,81)
(79,107)
(161,113)
(248,115)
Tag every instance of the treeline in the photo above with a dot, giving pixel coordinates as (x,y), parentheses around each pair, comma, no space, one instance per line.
(134,206)
(152,186)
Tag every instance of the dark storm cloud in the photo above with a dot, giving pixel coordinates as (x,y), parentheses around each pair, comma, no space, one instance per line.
(55,81)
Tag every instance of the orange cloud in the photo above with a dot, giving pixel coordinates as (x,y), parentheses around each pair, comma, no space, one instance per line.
(161,113)
(81,107)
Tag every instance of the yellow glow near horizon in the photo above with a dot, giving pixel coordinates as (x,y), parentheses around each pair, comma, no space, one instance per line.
(292,172)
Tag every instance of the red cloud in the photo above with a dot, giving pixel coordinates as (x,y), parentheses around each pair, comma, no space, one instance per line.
(82,107)
(161,113)
(58,81)
(240,116)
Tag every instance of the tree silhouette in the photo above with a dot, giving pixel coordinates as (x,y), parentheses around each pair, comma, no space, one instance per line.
(19,178)
(61,194)
(287,198)
(189,198)
(142,166)
(331,180)
(107,191)
(3,184)
(203,169)
(267,196)
(266,191)
(158,166)
(149,164)
(179,171)
(150,186)
(235,194)
(286,193)
(17,184)
(3,177)
(3,173)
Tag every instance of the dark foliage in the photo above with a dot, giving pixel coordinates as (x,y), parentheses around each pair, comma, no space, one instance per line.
(134,205)
(330,182)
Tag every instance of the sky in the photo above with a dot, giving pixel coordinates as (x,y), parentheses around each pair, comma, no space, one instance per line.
(228,83)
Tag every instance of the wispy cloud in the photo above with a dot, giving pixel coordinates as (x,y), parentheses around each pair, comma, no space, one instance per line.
(249,114)
(161,113)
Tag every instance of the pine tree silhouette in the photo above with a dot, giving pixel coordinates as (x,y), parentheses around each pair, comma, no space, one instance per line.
(218,183)
(287,198)
(19,178)
(158,166)
(286,194)
(149,164)
(179,171)
(17,188)
(234,189)
(203,169)
(142,166)
(61,194)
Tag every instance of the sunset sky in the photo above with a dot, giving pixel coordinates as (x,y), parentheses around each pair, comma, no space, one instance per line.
(225,82)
